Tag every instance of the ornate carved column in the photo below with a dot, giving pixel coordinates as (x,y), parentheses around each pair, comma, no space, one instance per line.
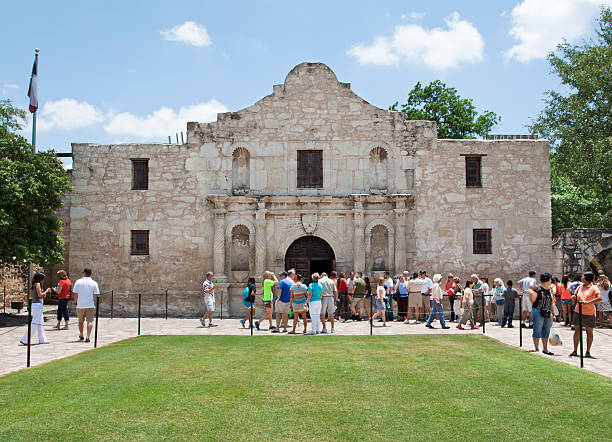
(260,240)
(400,234)
(359,237)
(219,239)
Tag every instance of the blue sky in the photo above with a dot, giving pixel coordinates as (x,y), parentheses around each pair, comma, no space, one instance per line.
(137,71)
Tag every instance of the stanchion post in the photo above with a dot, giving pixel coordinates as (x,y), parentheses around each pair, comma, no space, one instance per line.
(4,300)
(251,323)
(484,319)
(139,300)
(29,328)
(221,306)
(96,331)
(580,325)
(112,302)
(166,304)
(520,320)
(371,321)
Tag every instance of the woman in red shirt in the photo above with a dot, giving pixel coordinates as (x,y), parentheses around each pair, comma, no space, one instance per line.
(63,294)
(343,295)
(566,299)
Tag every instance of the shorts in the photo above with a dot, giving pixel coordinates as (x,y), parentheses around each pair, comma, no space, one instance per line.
(85,313)
(379,305)
(267,304)
(209,301)
(527,302)
(566,302)
(425,300)
(282,307)
(587,320)
(604,307)
(299,308)
(327,305)
(357,303)
(414,300)
(541,325)
(247,305)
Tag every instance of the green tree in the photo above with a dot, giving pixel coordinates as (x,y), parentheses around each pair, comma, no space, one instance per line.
(456,117)
(579,127)
(31,187)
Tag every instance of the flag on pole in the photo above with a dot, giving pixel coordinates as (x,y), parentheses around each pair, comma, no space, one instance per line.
(33,90)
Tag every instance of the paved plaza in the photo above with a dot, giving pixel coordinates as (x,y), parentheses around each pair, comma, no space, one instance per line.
(63,343)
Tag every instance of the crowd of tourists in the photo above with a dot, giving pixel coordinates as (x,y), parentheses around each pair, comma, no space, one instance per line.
(327,299)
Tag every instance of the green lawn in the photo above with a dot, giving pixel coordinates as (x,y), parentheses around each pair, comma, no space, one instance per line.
(329,387)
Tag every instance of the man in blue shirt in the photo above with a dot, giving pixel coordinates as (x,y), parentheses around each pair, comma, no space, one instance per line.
(283,303)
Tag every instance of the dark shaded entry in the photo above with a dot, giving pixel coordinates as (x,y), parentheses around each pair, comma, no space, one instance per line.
(310,254)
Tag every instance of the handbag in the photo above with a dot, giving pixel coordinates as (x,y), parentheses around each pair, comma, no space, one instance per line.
(555,338)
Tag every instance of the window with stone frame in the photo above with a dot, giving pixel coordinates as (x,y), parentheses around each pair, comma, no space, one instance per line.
(472,171)
(482,242)
(140,242)
(140,174)
(309,169)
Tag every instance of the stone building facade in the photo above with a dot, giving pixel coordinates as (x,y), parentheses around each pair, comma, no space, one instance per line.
(313,177)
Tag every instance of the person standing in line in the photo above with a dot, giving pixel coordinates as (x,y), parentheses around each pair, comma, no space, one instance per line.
(380,301)
(477,296)
(389,285)
(343,294)
(566,300)
(37,296)
(486,289)
(498,299)
(357,296)
(314,303)
(329,298)
(426,289)
(587,294)
(449,289)
(437,309)
(208,288)
(526,284)
(63,296)
(509,295)
(542,311)
(248,298)
(269,285)
(367,299)
(415,298)
(402,300)
(467,301)
(334,277)
(283,300)
(83,294)
(457,302)
(603,284)
(297,303)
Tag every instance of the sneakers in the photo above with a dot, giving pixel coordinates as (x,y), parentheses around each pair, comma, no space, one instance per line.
(333,330)
(212,325)
(475,327)
(460,327)
(272,328)
(446,327)
(510,326)
(201,322)
(429,326)
(417,322)
(324,331)
(406,321)
(311,333)
(257,325)
(242,322)
(385,324)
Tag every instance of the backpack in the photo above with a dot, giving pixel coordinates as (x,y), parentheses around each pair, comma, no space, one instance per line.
(247,296)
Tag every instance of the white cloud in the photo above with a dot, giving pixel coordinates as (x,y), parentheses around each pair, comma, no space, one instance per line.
(413,16)
(10,86)
(190,33)
(68,114)
(539,25)
(436,48)
(164,121)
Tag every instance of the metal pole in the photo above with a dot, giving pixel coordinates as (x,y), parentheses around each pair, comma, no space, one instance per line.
(139,299)
(4,301)
(371,321)
(581,348)
(520,320)
(221,306)
(112,302)
(96,331)
(166,304)
(484,306)
(251,313)
(29,327)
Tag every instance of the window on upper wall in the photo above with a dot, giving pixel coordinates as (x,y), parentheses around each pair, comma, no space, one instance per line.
(472,171)
(140,242)
(140,174)
(309,169)
(482,242)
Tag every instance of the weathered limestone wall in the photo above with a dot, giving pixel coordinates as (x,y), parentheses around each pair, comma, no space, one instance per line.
(594,246)
(514,202)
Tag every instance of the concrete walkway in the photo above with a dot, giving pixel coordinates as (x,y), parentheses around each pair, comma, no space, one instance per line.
(63,343)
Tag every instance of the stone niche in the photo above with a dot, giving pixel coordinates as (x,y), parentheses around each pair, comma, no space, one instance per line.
(378,171)
(241,171)
(379,248)
(240,251)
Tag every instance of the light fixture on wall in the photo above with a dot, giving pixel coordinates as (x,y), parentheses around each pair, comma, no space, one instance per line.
(577,253)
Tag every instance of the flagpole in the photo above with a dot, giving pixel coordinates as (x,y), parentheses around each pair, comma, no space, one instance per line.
(36,51)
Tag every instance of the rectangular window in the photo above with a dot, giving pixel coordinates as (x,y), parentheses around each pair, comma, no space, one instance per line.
(472,171)
(140,174)
(309,169)
(140,242)
(482,242)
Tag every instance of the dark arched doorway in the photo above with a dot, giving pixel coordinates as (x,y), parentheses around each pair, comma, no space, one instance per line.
(310,254)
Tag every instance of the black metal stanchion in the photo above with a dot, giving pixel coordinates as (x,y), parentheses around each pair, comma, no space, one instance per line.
(251,322)
(371,320)
(96,331)
(484,319)
(4,300)
(112,302)
(520,320)
(221,306)
(139,301)
(29,328)
(581,348)
(166,304)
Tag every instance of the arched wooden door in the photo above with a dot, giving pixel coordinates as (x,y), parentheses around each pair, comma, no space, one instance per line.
(310,254)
